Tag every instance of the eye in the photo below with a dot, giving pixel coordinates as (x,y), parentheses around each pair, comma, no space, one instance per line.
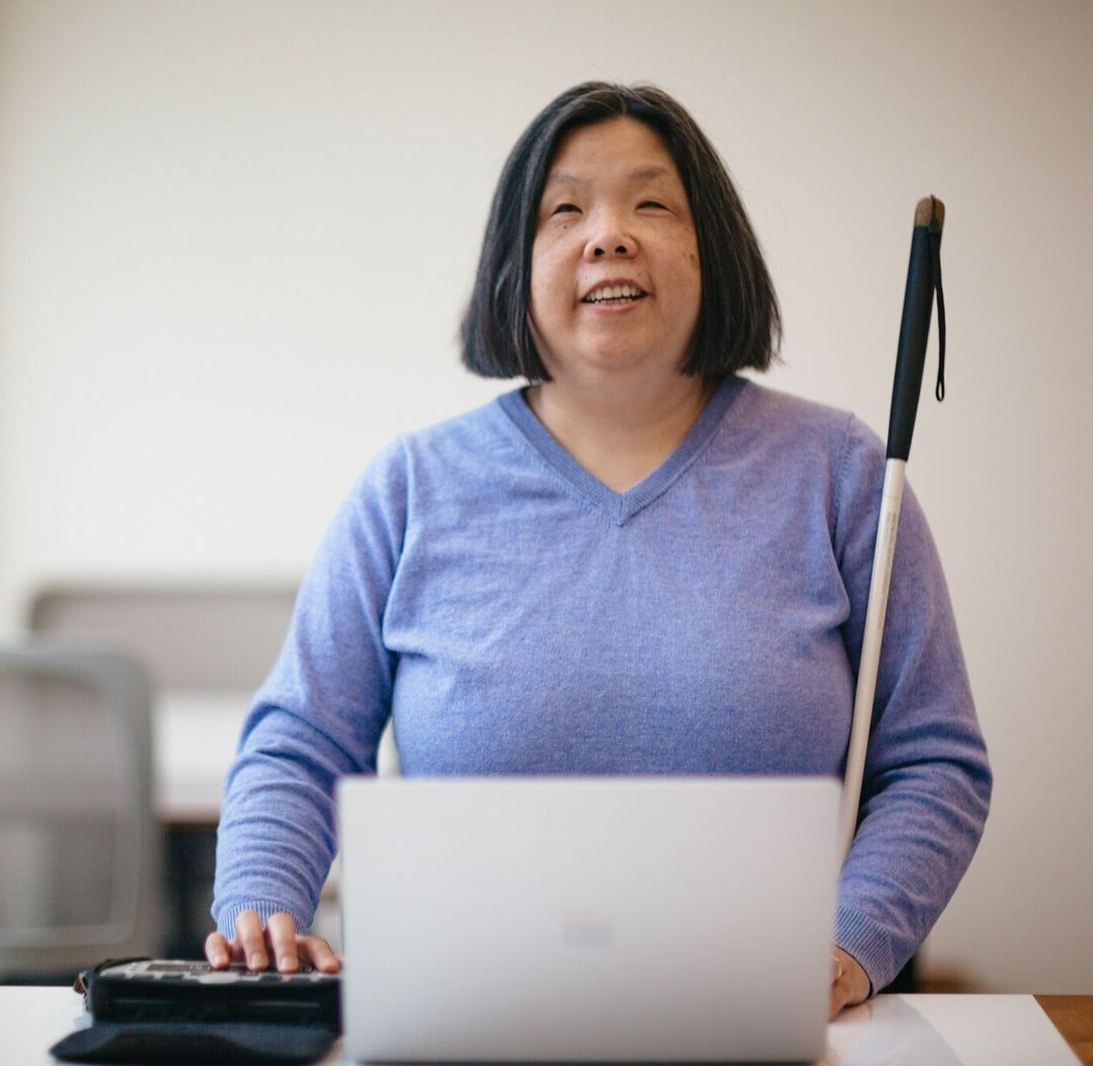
(565,209)
(652,203)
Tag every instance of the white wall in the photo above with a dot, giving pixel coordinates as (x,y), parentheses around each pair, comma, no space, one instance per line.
(235,240)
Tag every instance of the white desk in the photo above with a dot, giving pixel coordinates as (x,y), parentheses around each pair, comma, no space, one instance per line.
(194,735)
(889,1031)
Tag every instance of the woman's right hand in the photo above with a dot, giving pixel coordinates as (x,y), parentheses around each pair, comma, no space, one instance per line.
(278,945)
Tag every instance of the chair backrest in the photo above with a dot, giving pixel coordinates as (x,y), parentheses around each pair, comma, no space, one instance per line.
(209,637)
(79,847)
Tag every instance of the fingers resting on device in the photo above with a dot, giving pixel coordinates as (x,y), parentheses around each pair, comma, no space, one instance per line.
(849,982)
(276,945)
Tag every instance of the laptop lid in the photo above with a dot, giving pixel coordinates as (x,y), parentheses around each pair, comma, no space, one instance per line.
(597,919)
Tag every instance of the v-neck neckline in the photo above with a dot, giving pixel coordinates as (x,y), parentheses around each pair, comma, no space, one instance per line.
(619,507)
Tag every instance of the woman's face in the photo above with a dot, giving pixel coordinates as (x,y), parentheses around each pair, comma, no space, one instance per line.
(615,281)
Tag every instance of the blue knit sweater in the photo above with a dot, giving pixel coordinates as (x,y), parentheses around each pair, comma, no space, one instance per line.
(513,615)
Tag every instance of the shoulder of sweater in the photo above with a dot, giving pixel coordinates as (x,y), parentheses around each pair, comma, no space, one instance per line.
(445,447)
(776,405)
(473,429)
(774,413)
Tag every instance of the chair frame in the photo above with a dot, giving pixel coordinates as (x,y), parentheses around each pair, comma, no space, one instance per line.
(134,920)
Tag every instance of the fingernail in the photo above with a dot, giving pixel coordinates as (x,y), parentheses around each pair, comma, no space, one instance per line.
(257,962)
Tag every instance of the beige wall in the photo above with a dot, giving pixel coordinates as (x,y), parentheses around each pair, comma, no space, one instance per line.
(235,239)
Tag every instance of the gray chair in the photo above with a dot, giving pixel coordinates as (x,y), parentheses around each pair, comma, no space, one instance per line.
(204,644)
(79,847)
(202,637)
(198,638)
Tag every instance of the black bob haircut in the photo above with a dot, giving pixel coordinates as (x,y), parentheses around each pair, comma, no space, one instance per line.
(739,324)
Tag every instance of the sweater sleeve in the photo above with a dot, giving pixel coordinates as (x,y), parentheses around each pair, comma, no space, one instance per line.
(319,714)
(927,783)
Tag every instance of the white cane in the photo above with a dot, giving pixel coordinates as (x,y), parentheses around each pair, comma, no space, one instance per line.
(923,279)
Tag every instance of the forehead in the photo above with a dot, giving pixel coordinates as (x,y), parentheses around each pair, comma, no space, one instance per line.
(618,148)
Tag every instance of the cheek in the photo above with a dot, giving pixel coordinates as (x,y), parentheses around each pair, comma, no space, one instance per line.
(538,297)
(691,269)
(691,296)
(547,280)
(684,256)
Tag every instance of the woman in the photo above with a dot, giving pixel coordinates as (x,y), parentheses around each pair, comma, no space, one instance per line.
(640,563)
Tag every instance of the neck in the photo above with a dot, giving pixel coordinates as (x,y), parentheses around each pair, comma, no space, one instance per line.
(621,435)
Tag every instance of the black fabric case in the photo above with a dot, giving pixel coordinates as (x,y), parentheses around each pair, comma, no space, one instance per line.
(194,1042)
(263,1019)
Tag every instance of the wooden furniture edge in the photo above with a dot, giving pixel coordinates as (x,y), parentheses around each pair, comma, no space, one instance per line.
(1073,1017)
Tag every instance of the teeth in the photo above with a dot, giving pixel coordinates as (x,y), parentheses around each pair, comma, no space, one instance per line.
(613,292)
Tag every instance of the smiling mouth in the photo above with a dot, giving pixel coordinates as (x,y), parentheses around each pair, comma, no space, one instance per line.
(614,294)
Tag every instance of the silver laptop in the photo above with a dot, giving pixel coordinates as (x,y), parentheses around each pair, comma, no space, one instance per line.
(591,919)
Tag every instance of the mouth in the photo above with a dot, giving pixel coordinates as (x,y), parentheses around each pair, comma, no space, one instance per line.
(621,293)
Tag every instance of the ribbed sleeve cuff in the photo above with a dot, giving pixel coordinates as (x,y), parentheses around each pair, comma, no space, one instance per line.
(870,944)
(226,920)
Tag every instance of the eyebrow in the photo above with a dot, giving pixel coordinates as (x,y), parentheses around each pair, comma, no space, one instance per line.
(635,177)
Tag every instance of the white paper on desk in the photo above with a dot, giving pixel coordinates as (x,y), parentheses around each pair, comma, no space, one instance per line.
(195,733)
(964,1030)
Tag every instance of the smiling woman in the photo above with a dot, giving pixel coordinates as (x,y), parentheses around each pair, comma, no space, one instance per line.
(615,280)
(739,324)
(615,295)
(638,563)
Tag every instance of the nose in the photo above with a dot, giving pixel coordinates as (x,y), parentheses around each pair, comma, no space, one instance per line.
(609,237)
